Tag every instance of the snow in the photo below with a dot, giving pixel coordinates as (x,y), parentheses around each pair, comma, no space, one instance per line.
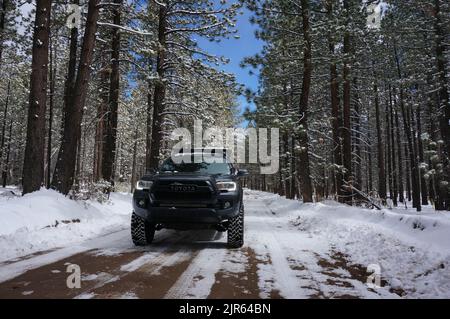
(412,249)
(197,280)
(46,220)
(298,250)
(119,238)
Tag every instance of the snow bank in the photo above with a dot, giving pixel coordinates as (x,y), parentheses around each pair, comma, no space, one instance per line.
(429,228)
(412,249)
(46,220)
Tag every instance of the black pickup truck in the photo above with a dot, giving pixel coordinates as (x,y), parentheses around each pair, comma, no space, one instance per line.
(189,195)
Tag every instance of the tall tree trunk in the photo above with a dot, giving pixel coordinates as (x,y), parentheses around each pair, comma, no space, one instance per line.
(401,192)
(431,129)
(77,183)
(52,75)
(69,85)
(133,167)
(407,128)
(357,139)
(380,147)
(369,158)
(33,168)
(65,166)
(303,158)
(415,178)
(444,104)
(8,152)
(109,149)
(4,164)
(407,174)
(346,129)
(335,111)
(4,8)
(102,107)
(388,151)
(148,133)
(5,119)
(415,149)
(423,182)
(160,90)
(415,188)
(394,164)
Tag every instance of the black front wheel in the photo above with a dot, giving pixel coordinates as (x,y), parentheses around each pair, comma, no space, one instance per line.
(236,230)
(142,233)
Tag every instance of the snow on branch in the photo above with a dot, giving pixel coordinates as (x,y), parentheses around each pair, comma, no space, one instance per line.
(206,27)
(187,12)
(139,32)
(190,49)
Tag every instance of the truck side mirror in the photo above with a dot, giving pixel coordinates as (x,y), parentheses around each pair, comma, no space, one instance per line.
(242,173)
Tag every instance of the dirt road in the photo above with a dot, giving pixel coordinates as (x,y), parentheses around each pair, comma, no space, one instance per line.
(277,261)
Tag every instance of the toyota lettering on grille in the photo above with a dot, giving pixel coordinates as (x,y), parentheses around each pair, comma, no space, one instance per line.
(182,188)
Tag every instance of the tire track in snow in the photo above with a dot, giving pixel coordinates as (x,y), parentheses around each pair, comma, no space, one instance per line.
(16,269)
(264,236)
(198,279)
(153,261)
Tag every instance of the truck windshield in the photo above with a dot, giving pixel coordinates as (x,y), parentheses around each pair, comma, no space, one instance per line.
(200,168)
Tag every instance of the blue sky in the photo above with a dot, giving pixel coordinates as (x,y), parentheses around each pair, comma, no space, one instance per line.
(236,50)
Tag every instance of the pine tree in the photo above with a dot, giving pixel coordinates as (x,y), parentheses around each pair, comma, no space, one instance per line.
(33,169)
(65,167)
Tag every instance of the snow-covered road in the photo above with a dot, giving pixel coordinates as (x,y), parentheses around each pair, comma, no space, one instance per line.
(291,251)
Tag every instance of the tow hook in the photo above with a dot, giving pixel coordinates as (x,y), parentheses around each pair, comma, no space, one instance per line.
(223,226)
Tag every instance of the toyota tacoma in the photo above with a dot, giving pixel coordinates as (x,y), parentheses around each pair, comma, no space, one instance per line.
(190,194)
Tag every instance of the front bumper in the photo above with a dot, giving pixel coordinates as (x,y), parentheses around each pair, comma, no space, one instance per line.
(206,213)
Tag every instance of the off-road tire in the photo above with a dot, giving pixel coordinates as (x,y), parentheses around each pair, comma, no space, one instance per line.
(236,230)
(142,233)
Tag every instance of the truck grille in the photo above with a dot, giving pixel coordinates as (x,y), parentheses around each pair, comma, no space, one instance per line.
(182,193)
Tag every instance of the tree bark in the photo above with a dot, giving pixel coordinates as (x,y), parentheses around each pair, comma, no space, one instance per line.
(380,147)
(303,163)
(133,167)
(423,182)
(8,152)
(109,149)
(407,174)
(52,74)
(160,90)
(431,129)
(65,166)
(388,151)
(69,85)
(4,8)
(335,112)
(444,105)
(5,119)
(407,128)
(346,129)
(369,158)
(33,168)
(357,139)
(148,135)
(401,197)
(102,107)
(392,142)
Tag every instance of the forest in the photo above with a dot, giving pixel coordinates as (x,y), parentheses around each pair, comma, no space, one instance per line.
(91,89)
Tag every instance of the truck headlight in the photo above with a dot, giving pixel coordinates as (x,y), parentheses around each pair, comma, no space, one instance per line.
(226,186)
(141,185)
